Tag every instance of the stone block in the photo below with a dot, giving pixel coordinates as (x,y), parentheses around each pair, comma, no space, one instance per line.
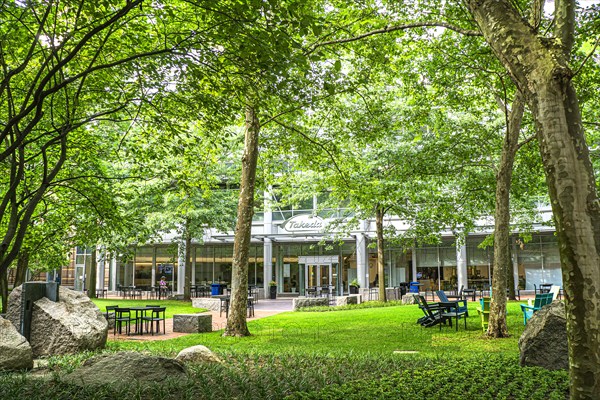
(409,299)
(192,323)
(207,303)
(304,302)
(345,300)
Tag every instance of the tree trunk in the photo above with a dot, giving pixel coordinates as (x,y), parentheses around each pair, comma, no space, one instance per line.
(236,322)
(379,213)
(22,265)
(502,264)
(187,295)
(91,279)
(541,72)
(4,290)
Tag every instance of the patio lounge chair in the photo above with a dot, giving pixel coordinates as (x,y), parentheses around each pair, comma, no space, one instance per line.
(450,299)
(540,301)
(484,312)
(454,310)
(433,315)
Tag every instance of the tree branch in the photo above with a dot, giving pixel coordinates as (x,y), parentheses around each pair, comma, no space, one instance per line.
(389,29)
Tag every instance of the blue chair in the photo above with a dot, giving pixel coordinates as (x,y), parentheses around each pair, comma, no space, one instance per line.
(444,299)
(540,301)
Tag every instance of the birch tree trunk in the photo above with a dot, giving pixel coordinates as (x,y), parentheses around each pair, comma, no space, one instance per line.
(379,213)
(236,322)
(502,264)
(187,295)
(540,68)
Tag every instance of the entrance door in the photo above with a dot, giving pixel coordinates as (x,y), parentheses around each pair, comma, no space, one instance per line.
(318,275)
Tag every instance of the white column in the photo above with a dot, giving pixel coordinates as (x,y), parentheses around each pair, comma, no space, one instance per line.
(268,244)
(153,272)
(515,260)
(268,263)
(361,260)
(461,265)
(113,272)
(181,268)
(194,265)
(100,262)
(414,264)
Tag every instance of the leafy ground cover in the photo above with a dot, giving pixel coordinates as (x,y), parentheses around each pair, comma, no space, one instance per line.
(359,353)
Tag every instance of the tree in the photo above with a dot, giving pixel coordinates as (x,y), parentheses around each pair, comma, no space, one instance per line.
(541,68)
(65,66)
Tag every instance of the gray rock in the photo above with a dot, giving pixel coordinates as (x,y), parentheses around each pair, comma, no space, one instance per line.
(197,354)
(544,340)
(71,325)
(303,302)
(15,351)
(408,299)
(192,323)
(124,368)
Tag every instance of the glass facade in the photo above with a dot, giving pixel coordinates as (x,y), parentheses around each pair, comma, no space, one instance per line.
(538,261)
(297,266)
(479,264)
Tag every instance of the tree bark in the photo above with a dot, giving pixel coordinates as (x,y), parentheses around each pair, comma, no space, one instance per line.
(91,280)
(540,69)
(187,295)
(379,213)
(22,265)
(502,264)
(4,290)
(236,322)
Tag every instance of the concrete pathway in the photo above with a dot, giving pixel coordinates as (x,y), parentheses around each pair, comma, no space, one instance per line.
(262,309)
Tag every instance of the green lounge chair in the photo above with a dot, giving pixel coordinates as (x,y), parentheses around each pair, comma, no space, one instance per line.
(540,301)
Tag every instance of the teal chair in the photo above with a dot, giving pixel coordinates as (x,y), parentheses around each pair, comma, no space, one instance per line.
(540,301)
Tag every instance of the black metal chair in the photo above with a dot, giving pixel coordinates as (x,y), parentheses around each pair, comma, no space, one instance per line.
(110,313)
(122,317)
(157,314)
(250,306)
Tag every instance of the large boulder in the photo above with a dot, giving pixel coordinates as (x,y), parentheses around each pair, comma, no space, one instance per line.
(197,354)
(544,340)
(125,368)
(15,351)
(71,325)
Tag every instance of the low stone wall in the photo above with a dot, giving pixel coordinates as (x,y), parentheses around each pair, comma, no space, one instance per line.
(303,302)
(345,300)
(207,302)
(409,299)
(192,323)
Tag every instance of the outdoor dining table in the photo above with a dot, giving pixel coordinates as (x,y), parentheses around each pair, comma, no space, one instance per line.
(140,313)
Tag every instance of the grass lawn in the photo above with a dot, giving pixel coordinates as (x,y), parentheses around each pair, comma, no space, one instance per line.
(172,306)
(350,354)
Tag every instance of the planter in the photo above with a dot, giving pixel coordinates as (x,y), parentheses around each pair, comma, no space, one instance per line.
(353,289)
(272,292)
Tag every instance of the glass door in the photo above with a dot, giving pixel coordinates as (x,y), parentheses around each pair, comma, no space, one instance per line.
(318,275)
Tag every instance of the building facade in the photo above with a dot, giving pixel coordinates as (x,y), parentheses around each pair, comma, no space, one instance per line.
(293,248)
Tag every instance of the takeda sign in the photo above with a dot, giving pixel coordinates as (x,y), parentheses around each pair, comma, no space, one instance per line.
(304,223)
